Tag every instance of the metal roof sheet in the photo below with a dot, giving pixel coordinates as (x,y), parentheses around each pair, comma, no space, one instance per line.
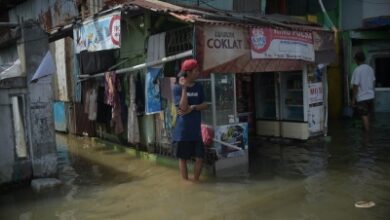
(196,14)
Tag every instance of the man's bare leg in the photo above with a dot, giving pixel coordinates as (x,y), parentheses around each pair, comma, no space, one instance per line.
(366,122)
(183,169)
(197,168)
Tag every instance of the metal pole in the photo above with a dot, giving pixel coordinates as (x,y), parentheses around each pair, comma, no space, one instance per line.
(213,101)
(143,65)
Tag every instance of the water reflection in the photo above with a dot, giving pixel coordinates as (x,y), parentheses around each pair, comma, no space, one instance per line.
(312,180)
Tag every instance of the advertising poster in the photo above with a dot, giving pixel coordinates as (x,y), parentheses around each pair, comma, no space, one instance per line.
(268,43)
(234,134)
(316,107)
(168,114)
(152,91)
(316,94)
(99,34)
(316,119)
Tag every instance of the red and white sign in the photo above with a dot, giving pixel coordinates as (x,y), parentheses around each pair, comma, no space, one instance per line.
(316,93)
(115,29)
(268,43)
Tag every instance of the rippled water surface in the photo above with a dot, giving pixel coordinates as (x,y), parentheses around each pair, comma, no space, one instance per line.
(313,180)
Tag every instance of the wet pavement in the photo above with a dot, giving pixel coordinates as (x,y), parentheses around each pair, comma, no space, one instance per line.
(314,180)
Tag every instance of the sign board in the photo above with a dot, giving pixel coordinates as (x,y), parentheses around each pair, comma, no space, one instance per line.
(223,44)
(98,34)
(316,94)
(269,43)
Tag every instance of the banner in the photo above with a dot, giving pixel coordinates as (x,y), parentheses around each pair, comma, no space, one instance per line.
(99,34)
(226,49)
(152,91)
(268,43)
(315,119)
(222,44)
(316,94)
(234,134)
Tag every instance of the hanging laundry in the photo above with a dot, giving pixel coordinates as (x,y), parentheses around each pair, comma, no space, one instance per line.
(104,112)
(133,134)
(92,104)
(156,48)
(112,86)
(109,86)
(139,95)
(86,92)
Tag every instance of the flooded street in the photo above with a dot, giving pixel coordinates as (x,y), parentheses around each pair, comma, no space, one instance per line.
(314,180)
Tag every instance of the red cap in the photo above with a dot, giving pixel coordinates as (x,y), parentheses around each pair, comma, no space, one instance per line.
(188,65)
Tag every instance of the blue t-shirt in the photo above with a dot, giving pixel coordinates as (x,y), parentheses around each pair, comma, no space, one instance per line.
(187,126)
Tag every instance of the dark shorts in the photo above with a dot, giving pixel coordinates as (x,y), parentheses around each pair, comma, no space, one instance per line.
(364,108)
(187,149)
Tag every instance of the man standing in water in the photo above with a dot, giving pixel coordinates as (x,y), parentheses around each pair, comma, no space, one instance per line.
(363,84)
(189,99)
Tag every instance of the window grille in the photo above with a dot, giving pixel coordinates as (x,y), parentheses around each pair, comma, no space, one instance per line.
(179,40)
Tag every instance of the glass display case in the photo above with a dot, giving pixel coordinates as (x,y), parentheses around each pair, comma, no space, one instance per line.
(291,92)
(225,99)
(207,113)
(265,99)
(222,87)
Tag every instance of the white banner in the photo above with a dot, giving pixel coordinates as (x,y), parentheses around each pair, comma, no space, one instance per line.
(268,43)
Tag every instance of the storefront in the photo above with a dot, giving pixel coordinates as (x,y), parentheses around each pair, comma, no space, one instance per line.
(269,85)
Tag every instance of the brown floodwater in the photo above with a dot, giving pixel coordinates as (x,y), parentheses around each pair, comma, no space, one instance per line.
(313,180)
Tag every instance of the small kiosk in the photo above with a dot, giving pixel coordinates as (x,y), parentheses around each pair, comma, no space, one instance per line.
(270,85)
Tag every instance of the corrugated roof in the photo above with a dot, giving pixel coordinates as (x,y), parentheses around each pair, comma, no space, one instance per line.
(189,14)
(157,6)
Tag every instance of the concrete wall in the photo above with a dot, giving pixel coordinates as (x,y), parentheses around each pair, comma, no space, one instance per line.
(12,168)
(39,103)
(61,77)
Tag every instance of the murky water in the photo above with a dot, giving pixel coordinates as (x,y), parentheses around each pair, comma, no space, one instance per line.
(314,180)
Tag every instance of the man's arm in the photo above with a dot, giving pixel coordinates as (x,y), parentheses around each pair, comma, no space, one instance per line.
(200,107)
(183,103)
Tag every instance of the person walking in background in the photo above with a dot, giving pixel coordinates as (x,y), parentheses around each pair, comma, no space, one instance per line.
(363,84)
(189,99)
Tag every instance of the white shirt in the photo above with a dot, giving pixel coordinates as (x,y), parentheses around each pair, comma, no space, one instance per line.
(363,77)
